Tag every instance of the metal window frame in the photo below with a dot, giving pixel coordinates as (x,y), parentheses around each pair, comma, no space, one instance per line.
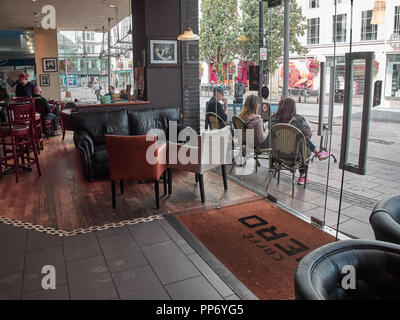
(369,58)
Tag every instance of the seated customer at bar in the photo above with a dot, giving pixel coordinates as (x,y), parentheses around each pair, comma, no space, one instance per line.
(24,87)
(43,106)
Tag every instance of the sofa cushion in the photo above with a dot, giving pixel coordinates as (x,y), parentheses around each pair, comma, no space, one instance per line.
(141,121)
(97,124)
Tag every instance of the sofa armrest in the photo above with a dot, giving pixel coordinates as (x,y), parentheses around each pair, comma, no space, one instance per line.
(84,142)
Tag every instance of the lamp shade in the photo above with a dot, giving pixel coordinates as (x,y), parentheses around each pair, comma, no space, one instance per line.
(188,35)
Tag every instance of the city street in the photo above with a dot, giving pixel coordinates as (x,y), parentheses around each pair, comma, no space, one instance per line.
(360,193)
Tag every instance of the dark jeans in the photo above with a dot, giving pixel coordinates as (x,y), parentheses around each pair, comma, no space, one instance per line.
(312,147)
(238,100)
(52,117)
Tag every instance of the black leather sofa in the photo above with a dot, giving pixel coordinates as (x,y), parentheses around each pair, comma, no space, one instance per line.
(385,220)
(323,275)
(90,129)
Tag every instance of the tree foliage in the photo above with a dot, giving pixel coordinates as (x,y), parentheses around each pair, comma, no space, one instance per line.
(219,27)
(273,30)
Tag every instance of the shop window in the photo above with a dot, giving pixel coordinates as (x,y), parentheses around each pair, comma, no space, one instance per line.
(393,76)
(313,31)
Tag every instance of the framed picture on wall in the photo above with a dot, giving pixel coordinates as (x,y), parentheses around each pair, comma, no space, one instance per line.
(163,52)
(50,65)
(44,80)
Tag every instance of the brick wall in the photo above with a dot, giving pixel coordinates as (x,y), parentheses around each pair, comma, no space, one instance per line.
(190,66)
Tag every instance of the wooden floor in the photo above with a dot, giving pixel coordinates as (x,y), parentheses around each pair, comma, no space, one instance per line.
(63,199)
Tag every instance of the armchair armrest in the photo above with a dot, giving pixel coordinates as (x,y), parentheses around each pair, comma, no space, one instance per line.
(84,142)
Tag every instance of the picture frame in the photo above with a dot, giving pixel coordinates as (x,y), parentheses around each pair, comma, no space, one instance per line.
(163,52)
(44,80)
(50,65)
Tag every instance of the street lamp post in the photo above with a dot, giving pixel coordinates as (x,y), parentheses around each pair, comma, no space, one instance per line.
(285,91)
(261,45)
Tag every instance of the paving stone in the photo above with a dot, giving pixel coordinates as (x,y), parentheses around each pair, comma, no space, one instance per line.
(210,275)
(357,228)
(12,254)
(89,279)
(139,284)
(169,262)
(112,232)
(60,293)
(81,246)
(358,213)
(182,244)
(8,231)
(148,233)
(11,286)
(40,240)
(36,260)
(197,288)
(297,204)
(122,253)
(330,216)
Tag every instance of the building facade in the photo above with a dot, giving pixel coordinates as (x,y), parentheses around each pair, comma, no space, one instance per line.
(381,39)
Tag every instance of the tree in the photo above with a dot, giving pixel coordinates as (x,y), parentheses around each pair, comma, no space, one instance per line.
(218,31)
(274,21)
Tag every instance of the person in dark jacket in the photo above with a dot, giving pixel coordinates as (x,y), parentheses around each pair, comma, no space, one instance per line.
(42,106)
(287,114)
(240,90)
(24,87)
(4,98)
(218,104)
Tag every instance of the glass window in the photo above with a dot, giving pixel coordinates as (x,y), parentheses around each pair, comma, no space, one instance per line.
(314,3)
(396,20)
(341,28)
(393,76)
(368,30)
(313,31)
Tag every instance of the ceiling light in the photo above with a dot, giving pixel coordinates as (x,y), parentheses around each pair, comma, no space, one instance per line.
(188,35)
(112,5)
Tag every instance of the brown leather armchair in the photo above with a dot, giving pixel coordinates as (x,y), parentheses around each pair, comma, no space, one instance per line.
(127,159)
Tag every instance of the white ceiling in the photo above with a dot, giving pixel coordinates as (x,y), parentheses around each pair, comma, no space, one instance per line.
(70,14)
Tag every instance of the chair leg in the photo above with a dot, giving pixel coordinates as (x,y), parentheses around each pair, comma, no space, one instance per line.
(305,179)
(256,162)
(157,192)
(293,182)
(165,182)
(113,193)
(272,172)
(196,178)
(169,181)
(121,185)
(233,166)
(201,182)
(223,167)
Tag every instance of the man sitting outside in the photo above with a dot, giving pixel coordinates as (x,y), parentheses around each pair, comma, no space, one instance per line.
(218,104)
(43,107)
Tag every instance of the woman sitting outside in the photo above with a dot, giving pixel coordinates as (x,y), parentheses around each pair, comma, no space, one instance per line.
(249,114)
(287,114)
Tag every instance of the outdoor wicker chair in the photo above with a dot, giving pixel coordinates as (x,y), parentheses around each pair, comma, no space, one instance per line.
(239,124)
(214,121)
(288,151)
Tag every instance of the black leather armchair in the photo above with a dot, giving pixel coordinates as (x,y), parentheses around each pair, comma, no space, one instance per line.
(320,274)
(385,220)
(90,129)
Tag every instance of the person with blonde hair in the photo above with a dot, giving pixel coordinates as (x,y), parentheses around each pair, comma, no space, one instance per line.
(250,116)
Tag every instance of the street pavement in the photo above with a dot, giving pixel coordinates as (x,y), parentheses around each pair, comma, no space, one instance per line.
(321,198)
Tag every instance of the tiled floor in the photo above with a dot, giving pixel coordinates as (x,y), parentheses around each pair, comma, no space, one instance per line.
(143,261)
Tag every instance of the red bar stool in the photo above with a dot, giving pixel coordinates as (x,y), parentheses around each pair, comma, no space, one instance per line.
(17,137)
